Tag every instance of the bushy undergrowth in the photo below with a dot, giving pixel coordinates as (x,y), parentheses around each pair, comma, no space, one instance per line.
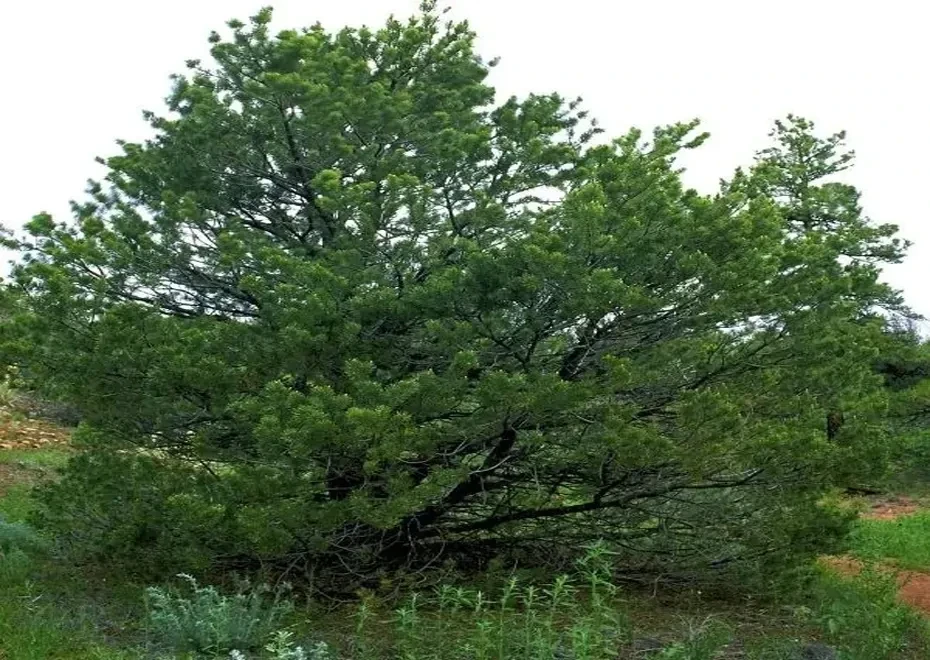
(581,616)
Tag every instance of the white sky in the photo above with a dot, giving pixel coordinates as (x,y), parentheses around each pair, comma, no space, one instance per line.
(76,76)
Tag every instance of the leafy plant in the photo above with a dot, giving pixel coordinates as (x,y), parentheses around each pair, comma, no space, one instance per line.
(206,621)
(8,394)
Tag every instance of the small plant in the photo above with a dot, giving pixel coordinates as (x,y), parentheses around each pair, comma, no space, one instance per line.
(572,618)
(283,647)
(209,622)
(17,542)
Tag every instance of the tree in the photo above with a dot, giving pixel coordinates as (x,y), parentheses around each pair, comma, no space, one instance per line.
(344,311)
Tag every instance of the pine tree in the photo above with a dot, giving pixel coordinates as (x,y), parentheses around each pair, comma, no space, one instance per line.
(347,311)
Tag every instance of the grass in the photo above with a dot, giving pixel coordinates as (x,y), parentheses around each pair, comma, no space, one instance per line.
(16,503)
(30,630)
(906,540)
(20,470)
(38,459)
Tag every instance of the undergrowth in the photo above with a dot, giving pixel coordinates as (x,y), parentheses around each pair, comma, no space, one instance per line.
(578,616)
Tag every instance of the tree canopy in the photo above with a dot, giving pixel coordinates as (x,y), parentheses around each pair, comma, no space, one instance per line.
(348,311)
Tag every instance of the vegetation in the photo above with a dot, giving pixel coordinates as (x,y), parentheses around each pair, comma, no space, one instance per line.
(463,364)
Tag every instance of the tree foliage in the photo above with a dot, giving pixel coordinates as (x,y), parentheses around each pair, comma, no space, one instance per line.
(346,310)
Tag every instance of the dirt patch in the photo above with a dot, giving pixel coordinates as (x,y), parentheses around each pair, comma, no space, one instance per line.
(19,474)
(914,589)
(891,509)
(30,434)
(9,476)
(24,435)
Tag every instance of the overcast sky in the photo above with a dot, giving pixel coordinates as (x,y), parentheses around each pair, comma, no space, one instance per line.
(76,76)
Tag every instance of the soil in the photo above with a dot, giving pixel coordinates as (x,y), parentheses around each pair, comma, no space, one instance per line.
(30,433)
(25,434)
(891,508)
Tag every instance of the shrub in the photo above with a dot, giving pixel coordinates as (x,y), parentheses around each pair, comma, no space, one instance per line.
(206,621)
(8,395)
(346,309)
(17,543)
(577,616)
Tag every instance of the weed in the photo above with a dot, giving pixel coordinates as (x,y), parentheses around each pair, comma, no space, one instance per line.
(8,394)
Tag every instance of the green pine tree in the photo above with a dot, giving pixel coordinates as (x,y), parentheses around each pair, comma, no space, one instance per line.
(347,311)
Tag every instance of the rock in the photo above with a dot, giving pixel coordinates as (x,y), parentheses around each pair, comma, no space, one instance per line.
(818,651)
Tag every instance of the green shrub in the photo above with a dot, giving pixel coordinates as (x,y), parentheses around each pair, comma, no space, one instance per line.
(323,314)
(576,616)
(206,621)
(283,647)
(8,394)
(15,566)
(17,542)
(161,530)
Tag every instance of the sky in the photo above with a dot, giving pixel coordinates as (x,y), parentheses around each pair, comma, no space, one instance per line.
(77,75)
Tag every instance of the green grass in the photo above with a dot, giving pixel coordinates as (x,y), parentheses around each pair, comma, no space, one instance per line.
(30,630)
(45,458)
(905,540)
(16,503)
(22,469)
(47,610)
